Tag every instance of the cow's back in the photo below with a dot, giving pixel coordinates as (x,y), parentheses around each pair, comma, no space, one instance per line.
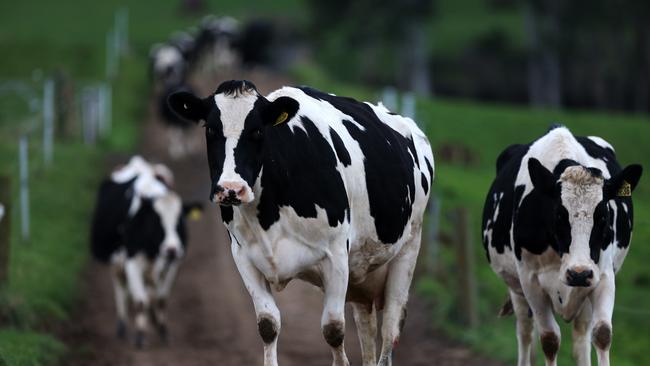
(388,151)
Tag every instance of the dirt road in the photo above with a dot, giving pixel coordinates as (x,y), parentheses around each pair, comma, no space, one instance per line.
(211,317)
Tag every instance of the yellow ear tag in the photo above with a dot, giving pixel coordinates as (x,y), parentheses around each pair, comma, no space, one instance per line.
(283,117)
(625,190)
(195,214)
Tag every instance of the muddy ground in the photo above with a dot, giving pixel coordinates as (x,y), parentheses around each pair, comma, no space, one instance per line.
(211,317)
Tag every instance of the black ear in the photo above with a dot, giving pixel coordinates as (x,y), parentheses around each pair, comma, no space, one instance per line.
(188,106)
(280,111)
(193,210)
(623,183)
(541,177)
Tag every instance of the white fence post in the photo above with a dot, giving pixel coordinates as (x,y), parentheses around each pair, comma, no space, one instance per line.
(110,54)
(122,29)
(408,105)
(389,98)
(105,112)
(23,163)
(48,121)
(90,114)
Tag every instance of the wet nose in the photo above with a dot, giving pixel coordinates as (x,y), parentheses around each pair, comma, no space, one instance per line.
(229,193)
(579,277)
(171,254)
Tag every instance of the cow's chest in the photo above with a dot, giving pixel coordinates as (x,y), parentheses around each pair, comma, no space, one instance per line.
(542,273)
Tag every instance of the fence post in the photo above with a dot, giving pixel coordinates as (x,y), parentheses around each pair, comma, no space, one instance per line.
(110,54)
(468,292)
(48,121)
(408,105)
(434,228)
(389,98)
(23,163)
(5,228)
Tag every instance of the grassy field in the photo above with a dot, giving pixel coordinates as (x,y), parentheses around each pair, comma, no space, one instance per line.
(486,130)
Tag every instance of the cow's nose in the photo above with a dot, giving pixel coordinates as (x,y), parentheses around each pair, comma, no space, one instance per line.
(171,254)
(579,277)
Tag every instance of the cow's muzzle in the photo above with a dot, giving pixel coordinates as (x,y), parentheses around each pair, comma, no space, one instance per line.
(231,194)
(579,277)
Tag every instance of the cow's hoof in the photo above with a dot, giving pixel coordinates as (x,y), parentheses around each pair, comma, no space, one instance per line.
(334,334)
(120,330)
(139,339)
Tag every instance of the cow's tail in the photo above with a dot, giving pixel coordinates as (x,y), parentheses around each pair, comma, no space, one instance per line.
(506,308)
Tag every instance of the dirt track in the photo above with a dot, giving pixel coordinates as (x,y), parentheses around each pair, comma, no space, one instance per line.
(211,317)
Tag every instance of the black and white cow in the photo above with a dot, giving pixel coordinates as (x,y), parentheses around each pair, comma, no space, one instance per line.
(557,225)
(167,66)
(139,228)
(321,188)
(215,43)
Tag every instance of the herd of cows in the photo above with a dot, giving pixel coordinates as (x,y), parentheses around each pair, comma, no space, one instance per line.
(332,191)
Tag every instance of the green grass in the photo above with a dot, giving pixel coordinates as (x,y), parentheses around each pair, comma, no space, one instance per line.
(26,348)
(486,130)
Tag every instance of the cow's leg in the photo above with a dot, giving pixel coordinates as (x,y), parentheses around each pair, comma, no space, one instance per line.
(134,268)
(602,301)
(582,336)
(524,328)
(266,311)
(164,283)
(398,281)
(542,308)
(335,284)
(365,318)
(118,277)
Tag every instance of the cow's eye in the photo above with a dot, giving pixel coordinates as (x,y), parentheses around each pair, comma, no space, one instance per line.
(210,131)
(256,134)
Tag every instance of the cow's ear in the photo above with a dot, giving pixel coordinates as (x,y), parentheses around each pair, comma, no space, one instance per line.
(187,106)
(193,210)
(280,111)
(623,183)
(541,177)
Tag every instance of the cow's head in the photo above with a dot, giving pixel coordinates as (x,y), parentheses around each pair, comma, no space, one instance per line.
(577,212)
(237,121)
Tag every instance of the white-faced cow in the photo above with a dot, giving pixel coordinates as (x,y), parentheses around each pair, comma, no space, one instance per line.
(167,67)
(139,228)
(320,188)
(556,227)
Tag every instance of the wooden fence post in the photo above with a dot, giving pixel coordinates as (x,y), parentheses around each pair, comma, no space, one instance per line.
(466,276)
(5,228)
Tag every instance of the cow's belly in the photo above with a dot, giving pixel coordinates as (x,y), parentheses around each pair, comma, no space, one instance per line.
(504,264)
(369,256)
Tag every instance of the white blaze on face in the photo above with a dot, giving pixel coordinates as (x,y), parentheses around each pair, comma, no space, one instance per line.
(234,110)
(169,207)
(581,193)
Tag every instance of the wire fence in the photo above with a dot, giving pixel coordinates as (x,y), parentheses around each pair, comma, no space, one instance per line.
(89,109)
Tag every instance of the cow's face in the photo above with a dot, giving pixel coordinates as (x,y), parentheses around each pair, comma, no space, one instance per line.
(237,120)
(158,226)
(581,222)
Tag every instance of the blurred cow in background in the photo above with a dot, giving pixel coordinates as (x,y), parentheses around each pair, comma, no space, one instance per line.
(215,44)
(139,229)
(167,66)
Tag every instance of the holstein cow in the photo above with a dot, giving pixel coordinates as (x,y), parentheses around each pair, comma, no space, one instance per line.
(167,66)
(139,228)
(321,188)
(556,227)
